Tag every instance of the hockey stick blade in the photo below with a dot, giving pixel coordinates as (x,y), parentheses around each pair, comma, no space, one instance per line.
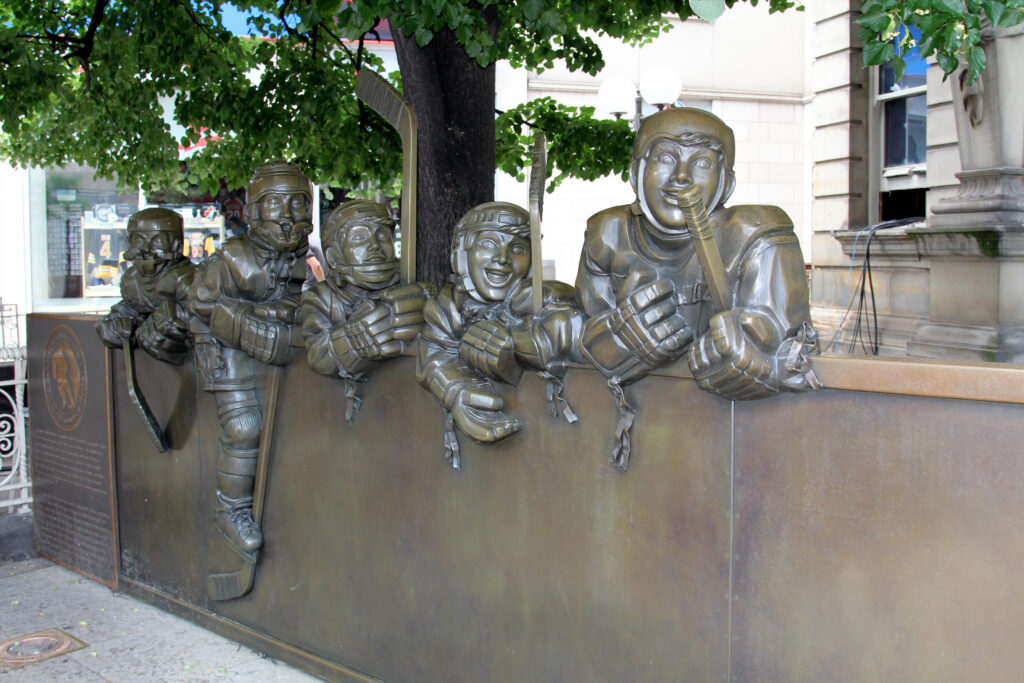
(231,585)
(153,428)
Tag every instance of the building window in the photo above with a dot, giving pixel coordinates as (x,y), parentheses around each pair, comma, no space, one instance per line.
(905,130)
(901,114)
(85,236)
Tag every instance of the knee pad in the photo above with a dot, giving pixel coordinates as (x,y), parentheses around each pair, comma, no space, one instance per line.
(241,429)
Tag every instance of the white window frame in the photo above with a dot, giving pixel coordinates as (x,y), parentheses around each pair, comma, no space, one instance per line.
(888,178)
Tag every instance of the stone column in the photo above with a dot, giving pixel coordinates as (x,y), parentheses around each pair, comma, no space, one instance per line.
(840,175)
(975,237)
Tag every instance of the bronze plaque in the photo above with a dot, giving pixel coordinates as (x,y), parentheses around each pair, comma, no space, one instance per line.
(72,468)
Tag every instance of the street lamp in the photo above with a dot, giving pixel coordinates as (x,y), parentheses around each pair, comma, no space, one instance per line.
(659,86)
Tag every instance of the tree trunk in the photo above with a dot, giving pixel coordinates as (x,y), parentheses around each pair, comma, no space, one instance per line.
(454,103)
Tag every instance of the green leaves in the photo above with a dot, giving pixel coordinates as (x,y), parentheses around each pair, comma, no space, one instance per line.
(954,7)
(289,92)
(950,30)
(976,59)
(579,145)
(878,52)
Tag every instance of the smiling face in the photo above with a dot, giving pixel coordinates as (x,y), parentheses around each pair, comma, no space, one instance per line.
(364,253)
(670,166)
(497,261)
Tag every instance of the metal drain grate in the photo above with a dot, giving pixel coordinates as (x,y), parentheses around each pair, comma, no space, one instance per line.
(35,647)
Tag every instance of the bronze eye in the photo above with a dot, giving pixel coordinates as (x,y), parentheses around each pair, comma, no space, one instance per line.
(702,162)
(488,243)
(518,249)
(666,158)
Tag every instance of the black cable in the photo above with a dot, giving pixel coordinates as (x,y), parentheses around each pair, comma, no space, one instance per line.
(866,282)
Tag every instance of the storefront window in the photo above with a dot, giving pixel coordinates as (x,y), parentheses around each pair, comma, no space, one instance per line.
(86,233)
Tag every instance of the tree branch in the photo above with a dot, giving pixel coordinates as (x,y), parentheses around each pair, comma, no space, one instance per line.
(88,42)
(195,20)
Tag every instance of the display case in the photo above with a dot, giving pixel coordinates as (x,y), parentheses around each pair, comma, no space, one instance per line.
(105,239)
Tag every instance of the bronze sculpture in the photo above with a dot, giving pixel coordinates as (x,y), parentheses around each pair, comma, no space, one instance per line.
(647,285)
(482,328)
(151,312)
(243,303)
(359,315)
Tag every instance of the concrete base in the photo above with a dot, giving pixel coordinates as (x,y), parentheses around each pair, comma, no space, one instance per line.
(16,539)
(946,341)
(896,332)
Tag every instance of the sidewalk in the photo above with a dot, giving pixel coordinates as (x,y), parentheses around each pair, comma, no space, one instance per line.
(127,641)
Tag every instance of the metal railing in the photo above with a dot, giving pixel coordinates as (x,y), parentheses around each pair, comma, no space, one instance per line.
(15,485)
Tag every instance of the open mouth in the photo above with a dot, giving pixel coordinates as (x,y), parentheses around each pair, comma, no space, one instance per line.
(671,195)
(498,276)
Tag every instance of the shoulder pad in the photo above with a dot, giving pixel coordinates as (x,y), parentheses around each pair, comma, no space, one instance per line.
(607,232)
(738,228)
(235,247)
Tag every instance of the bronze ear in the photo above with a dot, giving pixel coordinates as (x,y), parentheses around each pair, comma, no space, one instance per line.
(730,185)
(634,172)
(330,255)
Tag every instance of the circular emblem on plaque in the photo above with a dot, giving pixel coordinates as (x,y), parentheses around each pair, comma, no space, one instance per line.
(64,379)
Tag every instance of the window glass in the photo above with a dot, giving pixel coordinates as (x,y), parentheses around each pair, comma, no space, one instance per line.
(85,222)
(87,232)
(905,130)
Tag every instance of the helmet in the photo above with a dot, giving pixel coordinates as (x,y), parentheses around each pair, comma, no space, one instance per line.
(283,233)
(501,216)
(157,219)
(277,176)
(688,126)
(679,122)
(380,272)
(155,237)
(347,214)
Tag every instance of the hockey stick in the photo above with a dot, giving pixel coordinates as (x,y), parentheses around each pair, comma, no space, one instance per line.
(396,110)
(555,387)
(153,428)
(708,255)
(538,177)
(231,585)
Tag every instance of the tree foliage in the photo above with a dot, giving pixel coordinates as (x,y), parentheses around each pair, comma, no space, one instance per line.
(579,145)
(951,30)
(90,81)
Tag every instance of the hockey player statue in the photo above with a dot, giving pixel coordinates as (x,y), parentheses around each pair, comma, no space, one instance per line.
(243,301)
(481,329)
(151,311)
(678,273)
(359,315)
